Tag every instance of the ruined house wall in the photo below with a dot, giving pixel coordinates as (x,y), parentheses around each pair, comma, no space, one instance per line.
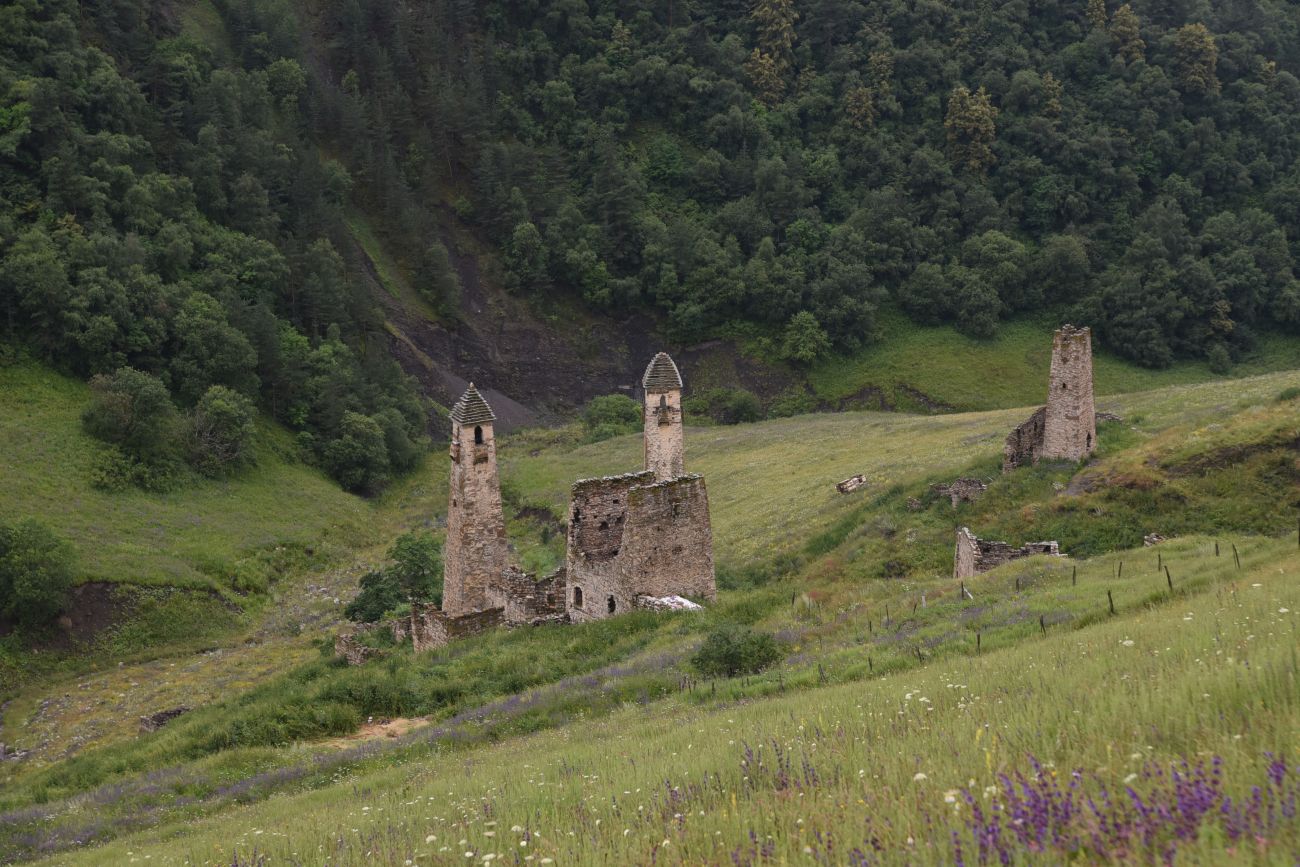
(665,546)
(430,627)
(974,555)
(1024,441)
(525,600)
(961,490)
(475,552)
(1070,431)
(597,523)
(348,647)
(665,448)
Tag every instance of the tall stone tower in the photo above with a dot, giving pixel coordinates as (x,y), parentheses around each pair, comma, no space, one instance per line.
(475,553)
(1070,425)
(664,445)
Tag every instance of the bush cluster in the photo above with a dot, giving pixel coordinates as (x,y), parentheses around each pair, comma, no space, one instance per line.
(731,650)
(35,573)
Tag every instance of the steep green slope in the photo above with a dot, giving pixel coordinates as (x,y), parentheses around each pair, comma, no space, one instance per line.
(153,569)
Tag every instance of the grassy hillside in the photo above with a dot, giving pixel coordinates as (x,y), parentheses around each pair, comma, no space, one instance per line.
(954,370)
(1191,706)
(195,537)
(794,556)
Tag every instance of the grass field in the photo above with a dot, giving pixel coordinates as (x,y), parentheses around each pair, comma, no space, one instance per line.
(794,556)
(966,373)
(194,537)
(1176,717)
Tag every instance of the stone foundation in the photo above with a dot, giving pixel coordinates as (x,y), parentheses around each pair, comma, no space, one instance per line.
(974,555)
(346,645)
(961,490)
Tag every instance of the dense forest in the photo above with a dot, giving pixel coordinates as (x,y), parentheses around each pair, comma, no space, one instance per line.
(174,192)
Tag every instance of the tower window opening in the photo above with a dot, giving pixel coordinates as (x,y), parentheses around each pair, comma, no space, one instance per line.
(1089,440)
(611,605)
(663,401)
(478,436)
(577,597)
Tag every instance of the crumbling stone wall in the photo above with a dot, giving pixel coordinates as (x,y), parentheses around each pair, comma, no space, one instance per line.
(348,647)
(525,600)
(961,490)
(475,553)
(1024,441)
(1070,431)
(974,555)
(1065,429)
(664,546)
(429,627)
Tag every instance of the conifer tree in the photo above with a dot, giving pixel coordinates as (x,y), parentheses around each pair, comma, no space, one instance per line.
(1097,13)
(971,124)
(1125,31)
(1195,59)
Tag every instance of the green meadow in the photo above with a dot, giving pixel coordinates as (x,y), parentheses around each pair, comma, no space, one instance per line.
(857,588)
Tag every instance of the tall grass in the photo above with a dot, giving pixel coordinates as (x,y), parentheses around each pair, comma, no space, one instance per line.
(894,767)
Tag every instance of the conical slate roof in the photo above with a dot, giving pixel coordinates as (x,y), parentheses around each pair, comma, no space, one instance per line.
(472,408)
(661,375)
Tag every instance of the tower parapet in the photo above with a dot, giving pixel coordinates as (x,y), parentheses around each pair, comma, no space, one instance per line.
(664,441)
(475,555)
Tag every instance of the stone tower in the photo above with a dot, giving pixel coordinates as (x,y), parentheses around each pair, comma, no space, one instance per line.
(664,446)
(1070,425)
(475,553)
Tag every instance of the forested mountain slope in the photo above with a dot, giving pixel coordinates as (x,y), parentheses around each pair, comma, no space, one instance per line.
(282,197)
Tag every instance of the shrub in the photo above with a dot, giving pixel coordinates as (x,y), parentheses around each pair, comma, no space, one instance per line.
(1219,360)
(221,431)
(795,401)
(358,457)
(35,572)
(414,576)
(732,650)
(726,405)
(610,415)
(1288,394)
(133,411)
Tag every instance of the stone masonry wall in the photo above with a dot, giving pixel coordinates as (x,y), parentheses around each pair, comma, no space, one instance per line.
(430,627)
(665,548)
(974,555)
(524,600)
(665,449)
(1070,431)
(1024,441)
(961,490)
(475,553)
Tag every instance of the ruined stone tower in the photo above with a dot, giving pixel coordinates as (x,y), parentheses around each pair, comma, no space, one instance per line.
(1065,429)
(1070,426)
(475,553)
(664,447)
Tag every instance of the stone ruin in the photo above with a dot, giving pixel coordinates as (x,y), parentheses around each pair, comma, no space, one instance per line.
(637,540)
(975,555)
(642,536)
(1066,428)
(961,490)
(155,721)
